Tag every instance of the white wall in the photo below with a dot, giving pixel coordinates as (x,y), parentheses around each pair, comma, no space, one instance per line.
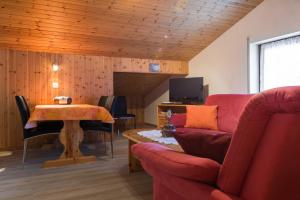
(154,98)
(223,64)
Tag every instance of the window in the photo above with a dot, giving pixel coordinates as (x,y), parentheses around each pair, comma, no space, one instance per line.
(280,63)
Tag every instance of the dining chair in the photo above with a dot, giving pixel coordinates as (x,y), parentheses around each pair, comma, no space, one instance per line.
(120,112)
(43,127)
(98,126)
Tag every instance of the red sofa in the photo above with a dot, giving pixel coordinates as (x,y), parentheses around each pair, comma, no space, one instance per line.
(230,107)
(262,162)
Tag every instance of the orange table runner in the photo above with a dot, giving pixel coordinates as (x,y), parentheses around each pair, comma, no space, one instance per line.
(68,112)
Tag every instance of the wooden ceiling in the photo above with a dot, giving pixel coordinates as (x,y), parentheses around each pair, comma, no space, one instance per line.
(158,29)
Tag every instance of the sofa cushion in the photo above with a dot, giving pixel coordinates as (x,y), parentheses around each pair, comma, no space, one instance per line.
(176,163)
(230,108)
(178,119)
(204,143)
(168,187)
(201,117)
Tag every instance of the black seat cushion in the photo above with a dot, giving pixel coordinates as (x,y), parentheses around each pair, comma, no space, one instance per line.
(95,125)
(44,127)
(50,125)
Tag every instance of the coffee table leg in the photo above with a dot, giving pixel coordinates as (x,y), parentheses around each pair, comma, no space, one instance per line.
(134,164)
(71,136)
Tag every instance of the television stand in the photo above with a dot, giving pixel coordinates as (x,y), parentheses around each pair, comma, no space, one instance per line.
(162,109)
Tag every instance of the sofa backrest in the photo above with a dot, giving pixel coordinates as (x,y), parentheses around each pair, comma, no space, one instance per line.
(230,107)
(262,161)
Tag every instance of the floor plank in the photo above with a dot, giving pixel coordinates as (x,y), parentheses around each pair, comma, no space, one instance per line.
(106,179)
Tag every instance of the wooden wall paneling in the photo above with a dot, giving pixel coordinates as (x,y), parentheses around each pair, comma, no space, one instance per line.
(38,89)
(142,65)
(75,98)
(6,99)
(59,76)
(6,104)
(126,63)
(94,90)
(109,69)
(83,77)
(44,76)
(65,69)
(45,61)
(45,72)
(88,78)
(3,98)
(72,80)
(122,65)
(174,67)
(2,93)
(85,72)
(136,107)
(98,81)
(12,81)
(32,90)
(53,77)
(103,79)
(19,90)
(81,61)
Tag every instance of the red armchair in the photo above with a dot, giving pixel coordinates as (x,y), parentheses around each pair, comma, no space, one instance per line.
(262,162)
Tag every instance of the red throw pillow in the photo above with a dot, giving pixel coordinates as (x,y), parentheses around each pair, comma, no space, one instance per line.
(178,120)
(201,117)
(204,144)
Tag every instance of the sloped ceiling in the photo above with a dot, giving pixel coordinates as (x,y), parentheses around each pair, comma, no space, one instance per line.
(158,29)
(131,84)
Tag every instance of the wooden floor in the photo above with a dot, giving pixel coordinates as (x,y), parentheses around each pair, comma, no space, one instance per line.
(106,179)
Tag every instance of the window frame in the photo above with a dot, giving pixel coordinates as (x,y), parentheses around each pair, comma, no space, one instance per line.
(260,65)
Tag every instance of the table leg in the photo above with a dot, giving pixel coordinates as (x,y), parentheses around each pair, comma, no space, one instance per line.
(70,136)
(133,163)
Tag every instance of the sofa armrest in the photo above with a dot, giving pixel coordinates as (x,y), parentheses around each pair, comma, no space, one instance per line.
(176,163)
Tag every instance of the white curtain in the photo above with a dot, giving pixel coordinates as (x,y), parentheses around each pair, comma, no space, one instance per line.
(280,63)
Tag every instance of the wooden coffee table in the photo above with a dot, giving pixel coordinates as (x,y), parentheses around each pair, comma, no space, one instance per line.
(134,138)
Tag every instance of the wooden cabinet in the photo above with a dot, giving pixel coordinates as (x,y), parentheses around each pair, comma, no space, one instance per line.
(163,108)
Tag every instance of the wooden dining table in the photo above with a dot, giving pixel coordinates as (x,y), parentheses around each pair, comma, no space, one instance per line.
(72,134)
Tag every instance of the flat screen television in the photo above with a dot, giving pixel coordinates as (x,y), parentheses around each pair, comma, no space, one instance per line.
(186,90)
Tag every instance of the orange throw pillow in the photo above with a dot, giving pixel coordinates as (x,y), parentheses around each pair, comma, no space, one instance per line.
(201,117)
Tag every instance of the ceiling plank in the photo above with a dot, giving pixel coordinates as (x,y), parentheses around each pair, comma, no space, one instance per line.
(169,29)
